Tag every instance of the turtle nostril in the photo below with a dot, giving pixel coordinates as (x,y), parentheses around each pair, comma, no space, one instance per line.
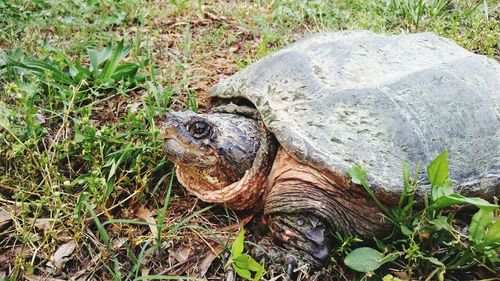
(169,115)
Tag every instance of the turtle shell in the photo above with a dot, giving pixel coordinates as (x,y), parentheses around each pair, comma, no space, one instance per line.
(338,99)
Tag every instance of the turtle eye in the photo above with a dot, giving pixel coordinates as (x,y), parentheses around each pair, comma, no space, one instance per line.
(199,129)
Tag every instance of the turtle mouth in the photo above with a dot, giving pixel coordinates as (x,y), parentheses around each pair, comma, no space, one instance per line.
(188,153)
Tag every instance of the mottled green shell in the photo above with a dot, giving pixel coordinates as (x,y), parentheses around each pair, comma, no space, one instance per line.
(338,99)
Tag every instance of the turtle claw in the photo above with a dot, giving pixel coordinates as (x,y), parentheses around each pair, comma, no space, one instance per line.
(280,260)
(305,234)
(291,266)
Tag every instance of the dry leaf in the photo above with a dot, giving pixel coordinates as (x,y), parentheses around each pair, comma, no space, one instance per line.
(210,257)
(119,242)
(401,274)
(182,254)
(233,48)
(62,255)
(41,223)
(31,277)
(4,217)
(147,216)
(236,226)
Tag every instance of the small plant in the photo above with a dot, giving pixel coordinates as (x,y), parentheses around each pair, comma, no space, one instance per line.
(414,11)
(428,238)
(106,68)
(243,263)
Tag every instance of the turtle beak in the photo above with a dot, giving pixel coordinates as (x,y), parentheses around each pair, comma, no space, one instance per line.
(175,135)
(166,124)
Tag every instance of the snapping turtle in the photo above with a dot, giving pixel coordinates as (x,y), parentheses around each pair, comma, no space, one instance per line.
(286,129)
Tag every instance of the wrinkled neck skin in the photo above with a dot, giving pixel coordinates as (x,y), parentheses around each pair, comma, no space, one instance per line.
(300,189)
(229,166)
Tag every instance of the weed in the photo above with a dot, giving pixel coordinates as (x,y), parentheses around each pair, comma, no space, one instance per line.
(420,236)
(105,71)
(242,263)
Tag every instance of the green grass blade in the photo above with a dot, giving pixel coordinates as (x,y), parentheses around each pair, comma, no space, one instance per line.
(97,58)
(188,218)
(166,202)
(112,63)
(102,231)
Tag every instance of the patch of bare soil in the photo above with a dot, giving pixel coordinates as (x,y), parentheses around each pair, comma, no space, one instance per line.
(217,43)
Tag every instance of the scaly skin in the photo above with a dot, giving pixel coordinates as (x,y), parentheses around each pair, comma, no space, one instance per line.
(297,188)
(226,161)
(228,158)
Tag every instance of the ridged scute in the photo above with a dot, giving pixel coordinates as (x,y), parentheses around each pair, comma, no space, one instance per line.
(338,99)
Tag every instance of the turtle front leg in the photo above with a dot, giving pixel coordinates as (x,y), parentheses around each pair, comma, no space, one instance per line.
(304,206)
(302,219)
(296,240)
(342,210)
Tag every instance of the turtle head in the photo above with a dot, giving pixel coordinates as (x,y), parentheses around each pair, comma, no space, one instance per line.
(213,150)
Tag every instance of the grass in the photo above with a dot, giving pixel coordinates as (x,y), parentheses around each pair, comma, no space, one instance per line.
(82,83)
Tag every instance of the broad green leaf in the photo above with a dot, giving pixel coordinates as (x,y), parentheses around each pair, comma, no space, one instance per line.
(247,262)
(242,261)
(406,231)
(493,235)
(434,261)
(125,70)
(110,66)
(237,247)
(406,177)
(98,57)
(437,171)
(83,72)
(365,259)
(441,223)
(457,199)
(358,175)
(243,273)
(253,265)
(480,221)
(441,190)
(42,68)
(259,274)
